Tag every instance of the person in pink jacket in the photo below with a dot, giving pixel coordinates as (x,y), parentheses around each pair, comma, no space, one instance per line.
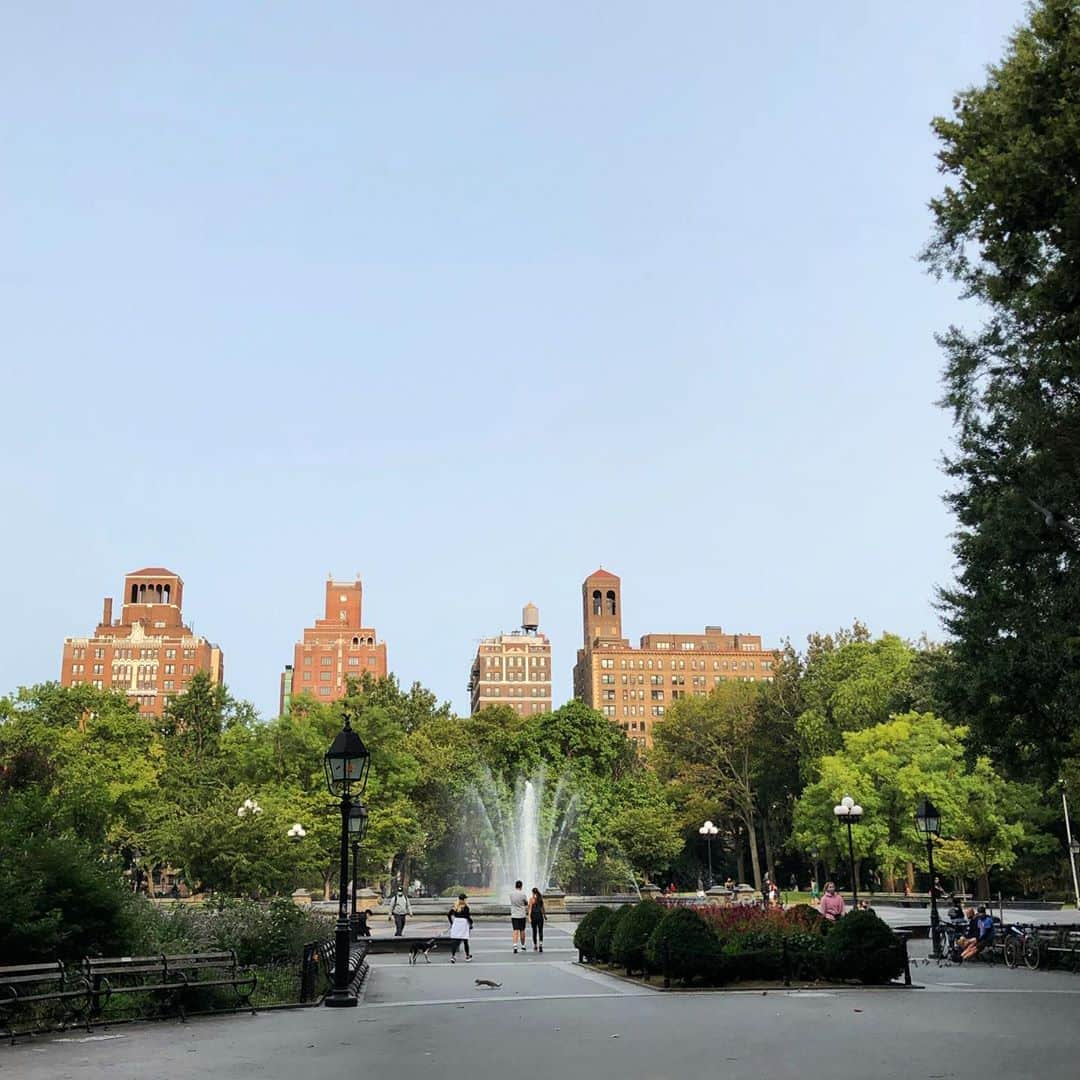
(832,903)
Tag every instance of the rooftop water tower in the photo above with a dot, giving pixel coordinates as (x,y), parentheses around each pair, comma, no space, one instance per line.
(530,618)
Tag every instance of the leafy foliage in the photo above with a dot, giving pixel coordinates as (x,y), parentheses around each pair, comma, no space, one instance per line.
(1005,230)
(682,946)
(605,933)
(861,947)
(632,934)
(586,931)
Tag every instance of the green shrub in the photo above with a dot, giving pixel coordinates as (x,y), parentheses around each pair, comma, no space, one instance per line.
(606,933)
(682,946)
(60,901)
(750,957)
(806,954)
(585,934)
(860,946)
(633,933)
(454,891)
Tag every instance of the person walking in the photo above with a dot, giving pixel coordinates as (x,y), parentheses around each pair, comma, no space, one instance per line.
(400,910)
(536,919)
(832,903)
(519,912)
(461,923)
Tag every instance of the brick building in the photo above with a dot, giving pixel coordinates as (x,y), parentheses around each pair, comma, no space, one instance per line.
(513,669)
(148,652)
(633,686)
(337,646)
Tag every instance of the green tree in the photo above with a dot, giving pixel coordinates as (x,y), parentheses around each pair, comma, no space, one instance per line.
(887,768)
(1005,229)
(719,747)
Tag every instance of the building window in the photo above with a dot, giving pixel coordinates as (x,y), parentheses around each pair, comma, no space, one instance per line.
(354,661)
(658,710)
(307,659)
(324,691)
(99,654)
(326,661)
(371,661)
(307,676)
(170,654)
(658,695)
(325,676)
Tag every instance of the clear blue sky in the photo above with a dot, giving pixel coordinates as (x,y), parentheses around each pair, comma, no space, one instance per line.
(473,299)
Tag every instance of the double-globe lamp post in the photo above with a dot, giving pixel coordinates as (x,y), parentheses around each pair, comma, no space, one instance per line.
(347,764)
(928,825)
(850,812)
(709,830)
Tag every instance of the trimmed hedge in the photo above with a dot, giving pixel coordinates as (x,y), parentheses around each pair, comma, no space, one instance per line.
(860,946)
(805,917)
(688,944)
(632,934)
(682,946)
(604,936)
(585,934)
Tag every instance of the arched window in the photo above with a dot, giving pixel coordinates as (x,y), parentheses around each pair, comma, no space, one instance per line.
(168,594)
(610,601)
(159,594)
(356,641)
(134,594)
(597,606)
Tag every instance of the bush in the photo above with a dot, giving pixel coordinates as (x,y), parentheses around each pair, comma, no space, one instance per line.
(605,934)
(751,955)
(806,954)
(585,934)
(454,891)
(806,918)
(632,935)
(860,946)
(60,901)
(682,946)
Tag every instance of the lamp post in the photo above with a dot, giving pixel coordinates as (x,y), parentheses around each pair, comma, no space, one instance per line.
(347,763)
(709,830)
(1074,847)
(358,819)
(849,811)
(928,824)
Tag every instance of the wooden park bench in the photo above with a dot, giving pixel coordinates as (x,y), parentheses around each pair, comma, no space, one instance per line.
(23,987)
(1060,944)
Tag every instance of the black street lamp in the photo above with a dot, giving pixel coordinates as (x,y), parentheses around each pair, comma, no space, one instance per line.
(709,830)
(358,820)
(347,764)
(928,824)
(849,811)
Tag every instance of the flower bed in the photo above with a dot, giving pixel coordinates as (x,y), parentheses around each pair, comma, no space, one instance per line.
(718,946)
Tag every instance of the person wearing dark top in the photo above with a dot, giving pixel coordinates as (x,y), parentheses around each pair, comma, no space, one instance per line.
(536,919)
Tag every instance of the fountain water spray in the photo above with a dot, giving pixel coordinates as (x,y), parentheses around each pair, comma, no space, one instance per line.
(523,829)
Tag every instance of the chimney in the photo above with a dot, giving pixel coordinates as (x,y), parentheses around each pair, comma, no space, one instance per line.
(106,612)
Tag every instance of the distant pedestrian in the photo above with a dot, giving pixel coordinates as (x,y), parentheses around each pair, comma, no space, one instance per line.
(461,923)
(815,893)
(400,910)
(793,883)
(832,903)
(519,913)
(536,919)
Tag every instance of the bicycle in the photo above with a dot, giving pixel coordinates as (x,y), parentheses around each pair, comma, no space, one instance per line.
(1021,946)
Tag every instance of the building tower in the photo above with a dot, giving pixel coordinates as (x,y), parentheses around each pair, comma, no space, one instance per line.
(336,647)
(513,669)
(148,653)
(633,686)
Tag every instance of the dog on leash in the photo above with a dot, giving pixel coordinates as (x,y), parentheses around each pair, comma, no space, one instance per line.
(422,948)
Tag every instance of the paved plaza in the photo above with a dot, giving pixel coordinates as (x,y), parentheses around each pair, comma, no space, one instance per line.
(551,1018)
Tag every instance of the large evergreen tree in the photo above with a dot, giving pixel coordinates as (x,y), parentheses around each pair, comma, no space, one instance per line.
(1007,229)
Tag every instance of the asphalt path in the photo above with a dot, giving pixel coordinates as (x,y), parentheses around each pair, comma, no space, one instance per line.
(549,1017)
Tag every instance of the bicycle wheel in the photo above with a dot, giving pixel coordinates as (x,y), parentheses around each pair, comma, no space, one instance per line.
(1011,950)
(1032,951)
(939,942)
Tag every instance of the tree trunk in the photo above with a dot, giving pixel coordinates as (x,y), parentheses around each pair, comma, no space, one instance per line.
(910,875)
(740,862)
(755,863)
(890,880)
(984,886)
(327,877)
(767,836)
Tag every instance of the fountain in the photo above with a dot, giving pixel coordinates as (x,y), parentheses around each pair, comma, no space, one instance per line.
(523,830)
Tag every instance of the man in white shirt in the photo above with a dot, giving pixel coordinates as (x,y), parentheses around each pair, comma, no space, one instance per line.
(519,912)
